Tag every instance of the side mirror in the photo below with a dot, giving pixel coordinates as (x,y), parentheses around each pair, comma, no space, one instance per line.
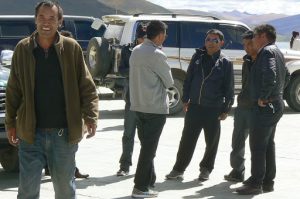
(97,24)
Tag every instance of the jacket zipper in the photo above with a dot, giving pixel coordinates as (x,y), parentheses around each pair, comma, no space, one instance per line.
(203,80)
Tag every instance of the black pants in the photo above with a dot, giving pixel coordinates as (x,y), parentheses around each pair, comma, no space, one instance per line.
(262,145)
(196,119)
(242,122)
(150,127)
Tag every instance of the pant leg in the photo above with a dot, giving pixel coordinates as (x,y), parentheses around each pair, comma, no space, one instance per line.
(212,136)
(31,161)
(242,117)
(190,134)
(270,160)
(150,127)
(262,142)
(61,162)
(128,137)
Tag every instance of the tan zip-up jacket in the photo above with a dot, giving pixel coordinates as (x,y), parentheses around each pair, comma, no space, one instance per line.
(80,91)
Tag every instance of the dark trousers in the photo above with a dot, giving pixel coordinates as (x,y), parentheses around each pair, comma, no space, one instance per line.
(128,137)
(196,119)
(150,127)
(242,122)
(262,145)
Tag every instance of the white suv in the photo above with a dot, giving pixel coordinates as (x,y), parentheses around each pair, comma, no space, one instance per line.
(185,34)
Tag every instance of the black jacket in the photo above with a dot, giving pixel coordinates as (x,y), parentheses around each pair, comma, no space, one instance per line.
(243,98)
(269,75)
(209,81)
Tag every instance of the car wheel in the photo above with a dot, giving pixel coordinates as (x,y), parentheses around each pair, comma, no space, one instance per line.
(99,57)
(175,94)
(293,94)
(9,159)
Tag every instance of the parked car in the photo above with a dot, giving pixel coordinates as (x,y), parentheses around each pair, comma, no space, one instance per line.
(8,153)
(185,33)
(15,27)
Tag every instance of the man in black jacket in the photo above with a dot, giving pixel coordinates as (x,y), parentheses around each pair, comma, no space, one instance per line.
(268,79)
(242,114)
(208,94)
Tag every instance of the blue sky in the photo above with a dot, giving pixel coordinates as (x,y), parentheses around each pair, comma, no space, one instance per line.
(288,7)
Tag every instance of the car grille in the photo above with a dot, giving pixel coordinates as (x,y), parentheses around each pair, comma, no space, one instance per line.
(2,99)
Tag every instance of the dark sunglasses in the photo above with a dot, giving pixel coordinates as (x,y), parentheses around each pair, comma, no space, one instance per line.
(216,41)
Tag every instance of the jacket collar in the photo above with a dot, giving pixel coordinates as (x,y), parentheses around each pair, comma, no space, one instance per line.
(202,51)
(58,44)
(151,43)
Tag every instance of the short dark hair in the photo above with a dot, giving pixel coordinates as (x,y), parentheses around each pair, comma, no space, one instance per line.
(154,28)
(50,4)
(268,29)
(248,34)
(216,32)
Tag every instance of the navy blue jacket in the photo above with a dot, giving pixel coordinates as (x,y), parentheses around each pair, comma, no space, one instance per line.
(269,75)
(212,88)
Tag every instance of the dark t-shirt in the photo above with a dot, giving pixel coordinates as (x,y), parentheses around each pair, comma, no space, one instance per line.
(50,107)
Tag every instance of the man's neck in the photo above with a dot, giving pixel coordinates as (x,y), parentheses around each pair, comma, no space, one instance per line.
(45,43)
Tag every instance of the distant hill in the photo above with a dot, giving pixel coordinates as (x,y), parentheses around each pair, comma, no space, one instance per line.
(286,25)
(95,8)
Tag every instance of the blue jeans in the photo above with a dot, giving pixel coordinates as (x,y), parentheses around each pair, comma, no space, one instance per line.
(50,147)
(128,137)
(242,122)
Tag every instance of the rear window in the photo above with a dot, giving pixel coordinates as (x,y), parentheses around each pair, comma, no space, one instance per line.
(193,34)
(16,29)
(85,32)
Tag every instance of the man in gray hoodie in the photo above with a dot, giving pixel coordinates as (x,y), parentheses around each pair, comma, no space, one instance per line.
(149,78)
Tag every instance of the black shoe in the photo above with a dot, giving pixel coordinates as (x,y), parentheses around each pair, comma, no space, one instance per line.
(122,172)
(234,176)
(268,188)
(204,175)
(80,175)
(249,190)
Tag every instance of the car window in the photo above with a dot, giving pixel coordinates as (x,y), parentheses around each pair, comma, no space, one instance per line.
(85,32)
(114,31)
(16,29)
(193,34)
(233,36)
(172,35)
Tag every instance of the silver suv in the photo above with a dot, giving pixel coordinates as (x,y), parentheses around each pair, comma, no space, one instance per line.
(185,33)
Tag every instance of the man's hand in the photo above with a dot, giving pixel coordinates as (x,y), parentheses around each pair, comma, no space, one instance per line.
(223,116)
(12,137)
(185,107)
(91,130)
(261,103)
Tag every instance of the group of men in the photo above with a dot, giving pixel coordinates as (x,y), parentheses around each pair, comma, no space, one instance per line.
(47,126)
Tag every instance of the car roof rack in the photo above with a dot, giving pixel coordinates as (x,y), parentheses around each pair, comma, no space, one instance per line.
(174,15)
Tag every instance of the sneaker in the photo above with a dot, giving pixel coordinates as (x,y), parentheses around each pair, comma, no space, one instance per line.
(204,175)
(174,175)
(249,190)
(234,176)
(268,187)
(122,172)
(144,194)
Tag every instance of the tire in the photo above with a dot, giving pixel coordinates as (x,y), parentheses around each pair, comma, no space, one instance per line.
(175,95)
(99,57)
(292,94)
(9,159)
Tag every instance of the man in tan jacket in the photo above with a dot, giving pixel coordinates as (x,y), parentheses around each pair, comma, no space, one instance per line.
(51,101)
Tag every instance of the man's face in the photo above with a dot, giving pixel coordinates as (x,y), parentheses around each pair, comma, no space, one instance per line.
(259,40)
(162,37)
(213,43)
(249,47)
(47,22)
